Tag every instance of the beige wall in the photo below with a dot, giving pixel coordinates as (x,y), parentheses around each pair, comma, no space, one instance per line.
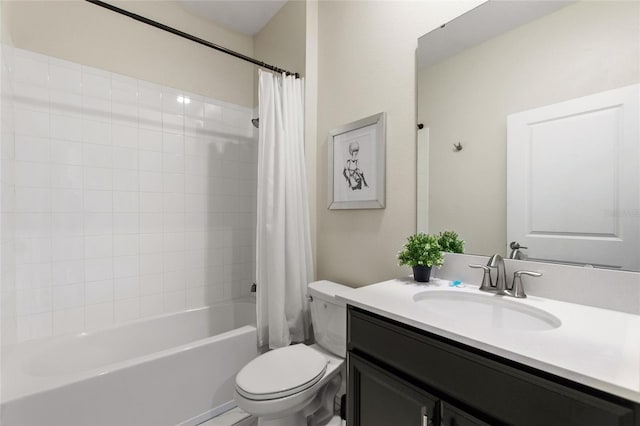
(84,33)
(585,48)
(367,65)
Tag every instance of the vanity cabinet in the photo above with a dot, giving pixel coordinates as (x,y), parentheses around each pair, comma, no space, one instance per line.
(399,375)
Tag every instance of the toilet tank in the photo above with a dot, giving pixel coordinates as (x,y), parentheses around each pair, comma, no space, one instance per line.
(329,316)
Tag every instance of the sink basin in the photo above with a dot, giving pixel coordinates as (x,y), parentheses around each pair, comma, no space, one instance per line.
(486,310)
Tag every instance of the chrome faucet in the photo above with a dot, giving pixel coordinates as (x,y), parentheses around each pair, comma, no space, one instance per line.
(496,261)
(515,250)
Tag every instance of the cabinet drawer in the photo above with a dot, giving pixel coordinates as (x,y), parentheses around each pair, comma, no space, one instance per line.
(507,394)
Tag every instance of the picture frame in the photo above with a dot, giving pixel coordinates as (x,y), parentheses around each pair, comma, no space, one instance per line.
(357,164)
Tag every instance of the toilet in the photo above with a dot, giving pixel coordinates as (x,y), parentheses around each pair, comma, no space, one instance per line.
(296,385)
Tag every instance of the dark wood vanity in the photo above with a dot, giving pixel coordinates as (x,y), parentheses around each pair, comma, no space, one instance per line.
(399,375)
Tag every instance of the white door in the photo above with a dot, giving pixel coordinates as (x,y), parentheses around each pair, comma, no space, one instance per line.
(572,180)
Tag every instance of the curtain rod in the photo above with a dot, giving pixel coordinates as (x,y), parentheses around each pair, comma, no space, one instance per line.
(190,37)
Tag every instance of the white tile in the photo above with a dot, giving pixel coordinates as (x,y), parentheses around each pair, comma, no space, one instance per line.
(151,243)
(125,136)
(65,127)
(125,158)
(41,325)
(150,140)
(98,201)
(126,223)
(151,223)
(98,316)
(150,161)
(127,310)
(151,202)
(150,284)
(173,203)
(66,201)
(194,126)
(126,245)
(174,301)
(173,280)
(125,180)
(125,266)
(125,92)
(98,269)
(67,248)
(31,123)
(150,95)
(31,97)
(174,222)
(97,155)
(194,108)
(32,200)
(30,225)
(149,118)
(32,275)
(66,224)
(124,113)
(150,264)
(68,272)
(66,152)
(173,242)
(98,246)
(68,296)
(151,305)
(95,85)
(173,261)
(99,292)
(212,112)
(125,288)
(173,143)
(196,297)
(98,223)
(172,101)
(150,181)
(64,78)
(236,118)
(66,176)
(68,320)
(30,70)
(30,148)
(96,132)
(65,103)
(96,108)
(125,202)
(173,163)
(173,182)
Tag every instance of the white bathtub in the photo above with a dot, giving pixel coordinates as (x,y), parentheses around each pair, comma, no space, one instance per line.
(171,369)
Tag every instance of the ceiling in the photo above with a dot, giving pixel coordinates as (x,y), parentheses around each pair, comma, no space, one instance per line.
(243,16)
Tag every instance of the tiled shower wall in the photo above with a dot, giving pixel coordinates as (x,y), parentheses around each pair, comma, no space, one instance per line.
(131,199)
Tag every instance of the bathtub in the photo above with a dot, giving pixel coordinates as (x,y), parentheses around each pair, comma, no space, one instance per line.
(171,369)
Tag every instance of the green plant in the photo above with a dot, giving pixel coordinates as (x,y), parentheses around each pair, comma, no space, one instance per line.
(421,250)
(449,241)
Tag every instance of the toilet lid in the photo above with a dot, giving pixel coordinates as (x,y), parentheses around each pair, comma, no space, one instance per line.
(281,372)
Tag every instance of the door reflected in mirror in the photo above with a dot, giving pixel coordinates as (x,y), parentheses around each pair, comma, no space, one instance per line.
(506,58)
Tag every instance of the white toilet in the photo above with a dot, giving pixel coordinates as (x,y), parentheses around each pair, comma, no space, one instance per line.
(288,386)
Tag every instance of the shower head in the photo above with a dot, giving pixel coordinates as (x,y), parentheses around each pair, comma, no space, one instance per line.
(255,122)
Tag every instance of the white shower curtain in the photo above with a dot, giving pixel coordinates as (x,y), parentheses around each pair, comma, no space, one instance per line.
(283,242)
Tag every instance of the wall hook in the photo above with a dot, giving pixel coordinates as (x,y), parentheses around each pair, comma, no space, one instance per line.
(457,147)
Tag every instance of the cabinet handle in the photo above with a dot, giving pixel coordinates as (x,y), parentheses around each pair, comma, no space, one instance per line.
(425,420)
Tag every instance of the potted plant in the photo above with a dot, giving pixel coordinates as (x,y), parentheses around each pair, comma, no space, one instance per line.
(421,252)
(450,242)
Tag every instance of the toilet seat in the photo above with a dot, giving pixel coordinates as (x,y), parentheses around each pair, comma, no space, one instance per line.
(280,373)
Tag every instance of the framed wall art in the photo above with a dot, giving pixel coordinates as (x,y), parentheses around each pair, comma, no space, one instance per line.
(357,157)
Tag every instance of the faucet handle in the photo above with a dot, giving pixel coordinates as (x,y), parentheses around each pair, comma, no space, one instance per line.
(487,284)
(517,288)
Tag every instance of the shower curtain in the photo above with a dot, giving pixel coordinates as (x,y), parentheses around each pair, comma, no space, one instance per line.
(283,242)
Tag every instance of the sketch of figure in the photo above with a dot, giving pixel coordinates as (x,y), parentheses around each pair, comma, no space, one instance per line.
(352,173)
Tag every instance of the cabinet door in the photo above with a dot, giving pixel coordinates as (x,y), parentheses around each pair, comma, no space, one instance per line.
(378,398)
(453,416)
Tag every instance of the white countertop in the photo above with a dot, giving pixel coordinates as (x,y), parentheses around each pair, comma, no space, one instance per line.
(597,347)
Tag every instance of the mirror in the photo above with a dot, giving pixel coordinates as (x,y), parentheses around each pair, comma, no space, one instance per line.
(506,58)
